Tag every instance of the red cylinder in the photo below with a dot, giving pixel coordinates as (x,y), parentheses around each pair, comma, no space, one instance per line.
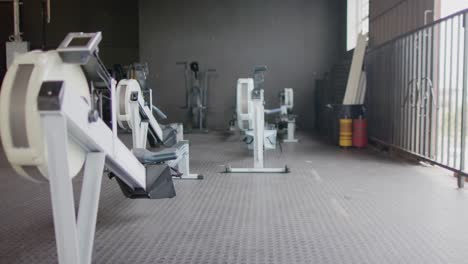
(360,133)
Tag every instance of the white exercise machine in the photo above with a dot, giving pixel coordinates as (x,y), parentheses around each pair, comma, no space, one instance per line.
(51,128)
(136,114)
(287,119)
(251,121)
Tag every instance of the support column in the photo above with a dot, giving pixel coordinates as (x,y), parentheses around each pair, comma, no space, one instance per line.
(259,129)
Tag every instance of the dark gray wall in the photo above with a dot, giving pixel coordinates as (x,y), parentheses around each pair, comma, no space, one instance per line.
(6,30)
(117,19)
(297,39)
(391,18)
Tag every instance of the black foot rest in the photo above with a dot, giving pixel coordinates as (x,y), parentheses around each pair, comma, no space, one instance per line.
(159,184)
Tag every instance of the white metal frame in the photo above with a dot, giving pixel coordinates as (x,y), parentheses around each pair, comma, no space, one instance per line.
(75,238)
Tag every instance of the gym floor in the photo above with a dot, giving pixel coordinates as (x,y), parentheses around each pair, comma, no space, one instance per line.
(336,206)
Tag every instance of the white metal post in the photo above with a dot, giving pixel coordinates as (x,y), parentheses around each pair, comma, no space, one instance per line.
(180,132)
(61,189)
(144,134)
(183,164)
(16,22)
(89,202)
(259,128)
(139,128)
(114,114)
(135,124)
(291,131)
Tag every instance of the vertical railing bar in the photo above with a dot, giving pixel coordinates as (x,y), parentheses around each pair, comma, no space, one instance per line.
(413,76)
(423,93)
(390,119)
(410,91)
(416,93)
(403,93)
(437,89)
(388,102)
(457,73)
(444,79)
(372,93)
(398,92)
(432,103)
(428,96)
(383,95)
(416,79)
(449,117)
(393,93)
(464,93)
(376,95)
(406,93)
(419,93)
(381,91)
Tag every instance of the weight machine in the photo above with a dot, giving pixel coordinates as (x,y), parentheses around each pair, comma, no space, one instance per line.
(287,120)
(52,126)
(251,120)
(196,95)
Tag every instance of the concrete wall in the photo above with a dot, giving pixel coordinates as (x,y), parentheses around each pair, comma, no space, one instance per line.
(297,39)
(390,18)
(117,19)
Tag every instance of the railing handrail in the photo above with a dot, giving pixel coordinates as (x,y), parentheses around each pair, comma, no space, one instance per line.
(439,21)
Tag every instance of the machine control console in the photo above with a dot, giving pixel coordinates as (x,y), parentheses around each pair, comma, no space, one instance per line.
(78,47)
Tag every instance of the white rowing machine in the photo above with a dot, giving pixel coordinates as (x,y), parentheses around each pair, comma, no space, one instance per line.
(251,120)
(51,128)
(134,114)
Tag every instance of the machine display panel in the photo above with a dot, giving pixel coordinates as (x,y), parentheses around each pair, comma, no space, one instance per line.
(79,42)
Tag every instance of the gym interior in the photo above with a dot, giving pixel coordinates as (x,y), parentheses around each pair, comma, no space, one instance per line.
(236,131)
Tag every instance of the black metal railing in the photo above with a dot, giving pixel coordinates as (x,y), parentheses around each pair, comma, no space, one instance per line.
(417,93)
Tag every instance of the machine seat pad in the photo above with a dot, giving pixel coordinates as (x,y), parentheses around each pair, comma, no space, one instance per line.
(149,157)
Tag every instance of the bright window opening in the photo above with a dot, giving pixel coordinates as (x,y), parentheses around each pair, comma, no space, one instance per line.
(449,7)
(358,21)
